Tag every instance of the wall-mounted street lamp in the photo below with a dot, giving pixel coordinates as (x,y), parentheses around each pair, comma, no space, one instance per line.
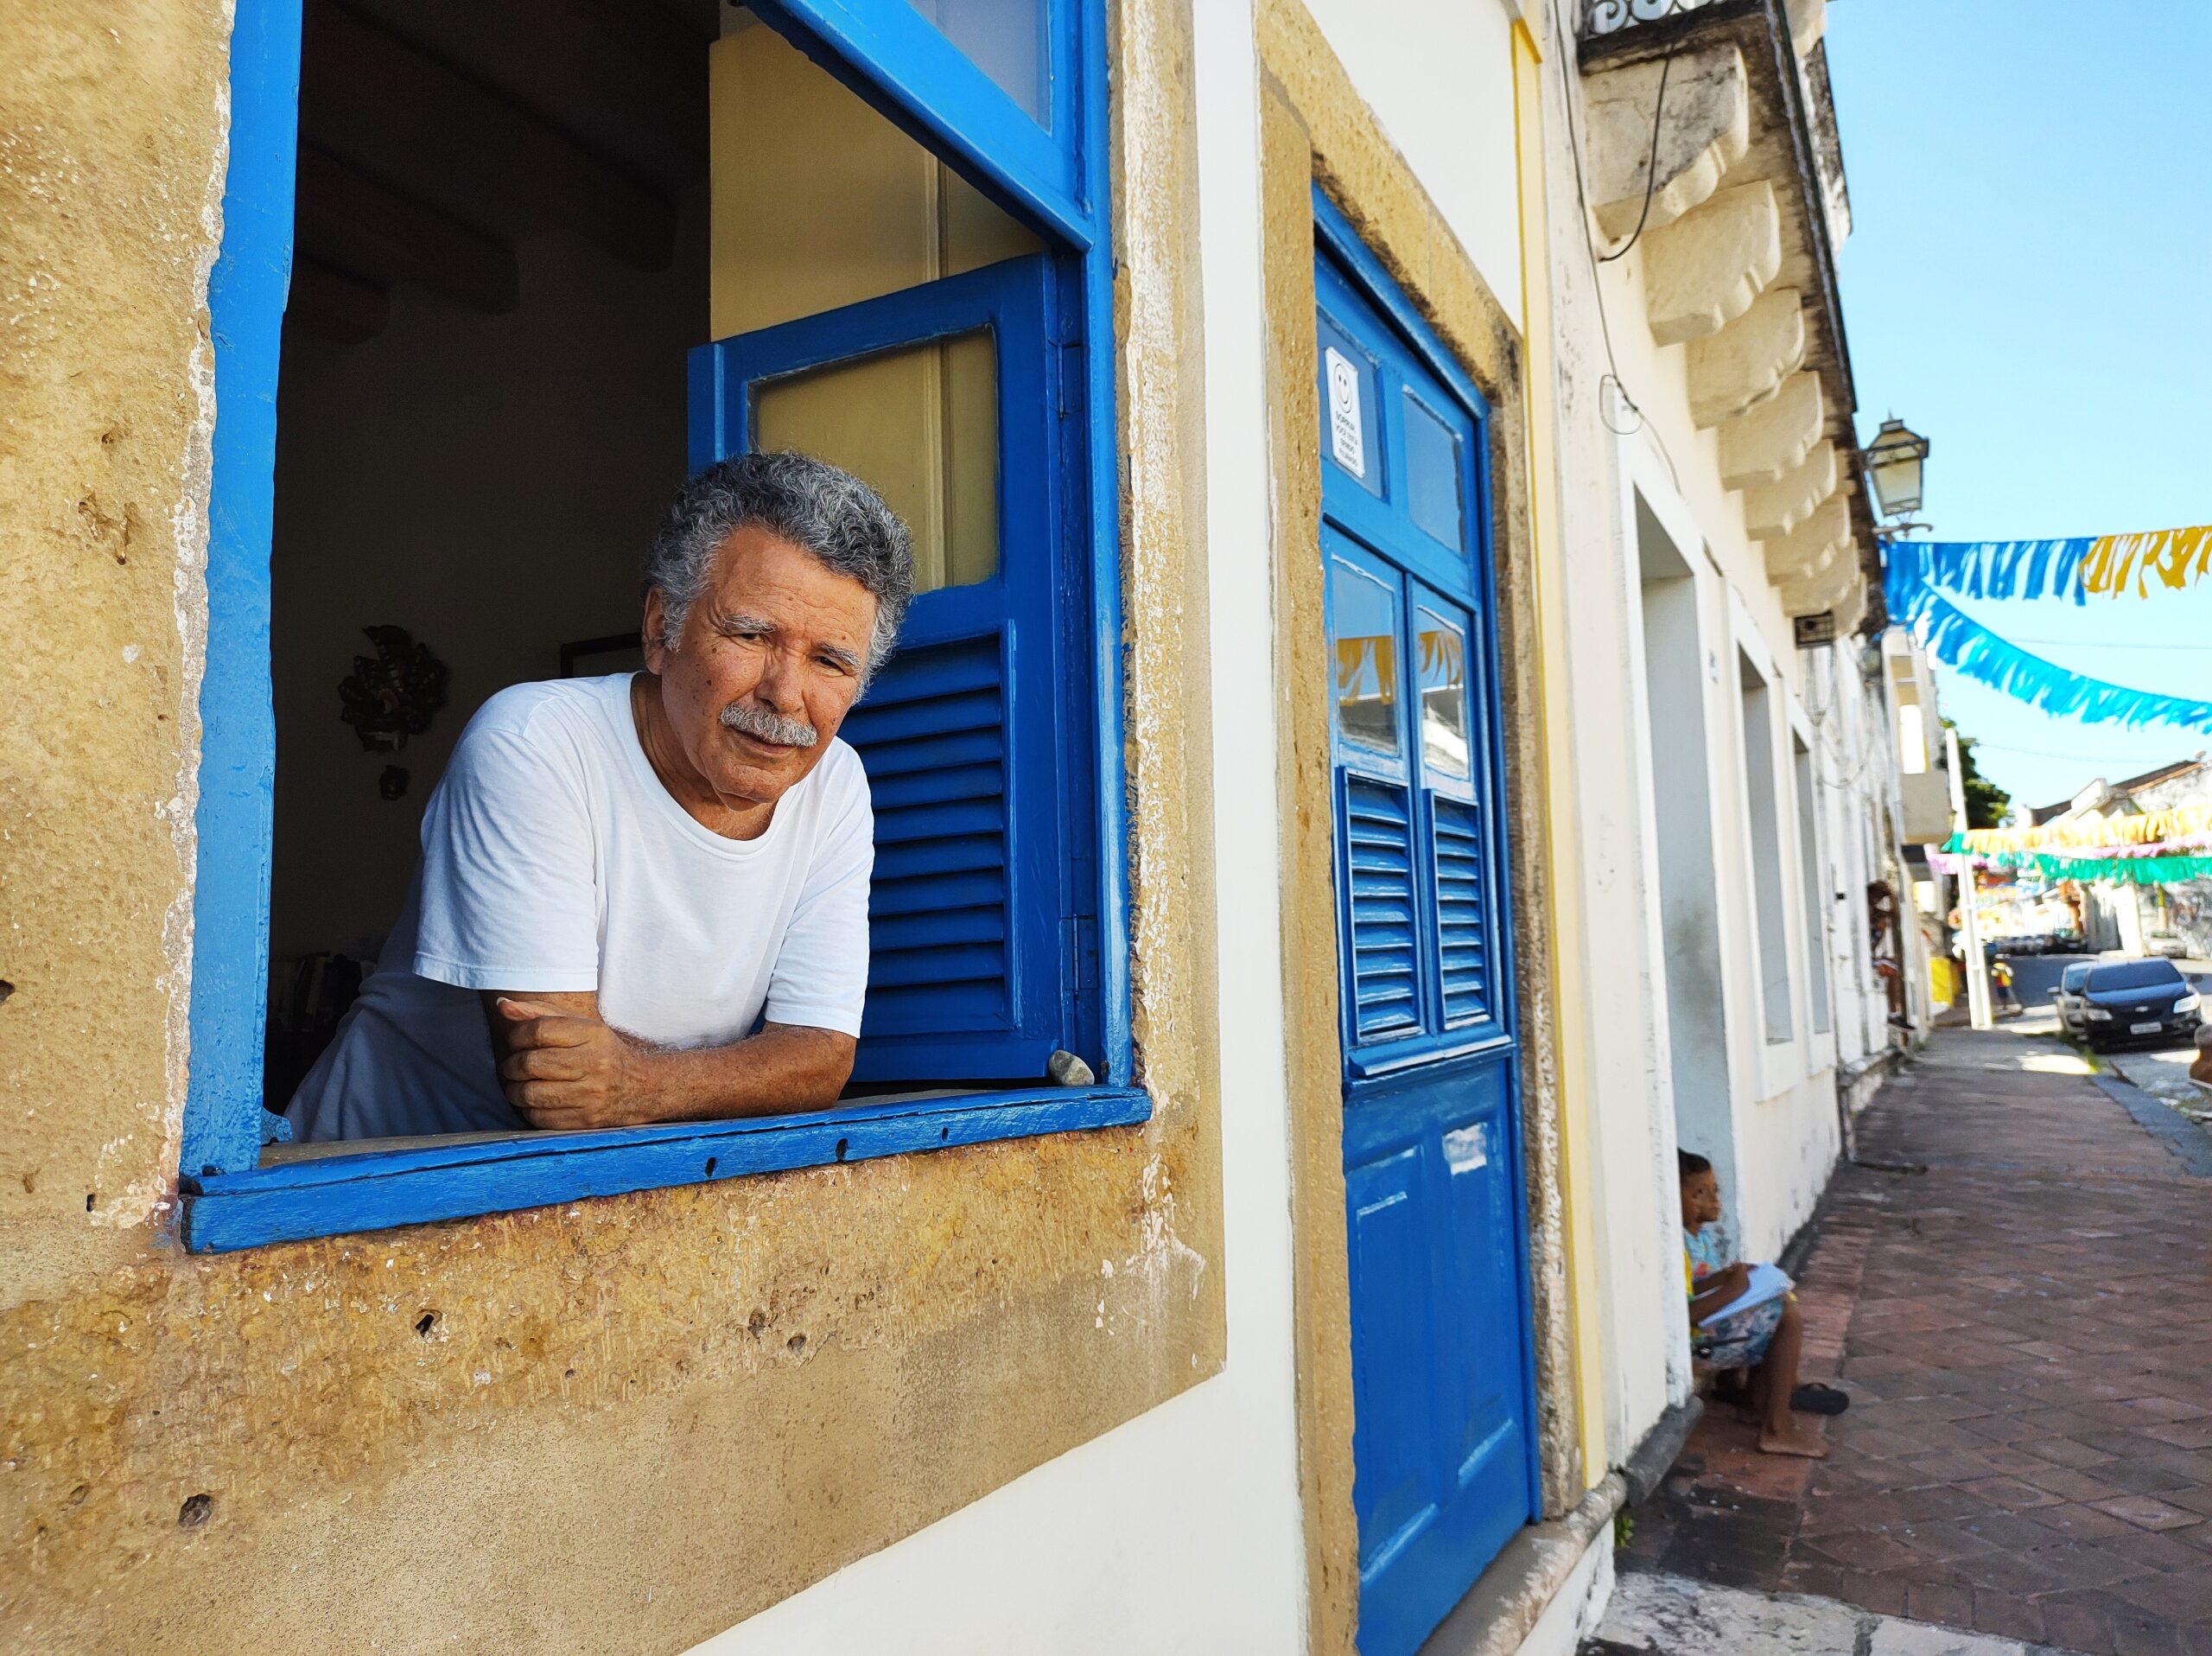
(1895,461)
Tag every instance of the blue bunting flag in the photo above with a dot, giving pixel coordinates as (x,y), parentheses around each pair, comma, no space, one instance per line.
(1958,640)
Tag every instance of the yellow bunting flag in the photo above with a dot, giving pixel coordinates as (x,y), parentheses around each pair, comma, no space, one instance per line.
(2172,557)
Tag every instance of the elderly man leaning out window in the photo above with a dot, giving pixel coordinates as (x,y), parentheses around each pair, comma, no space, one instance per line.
(645,897)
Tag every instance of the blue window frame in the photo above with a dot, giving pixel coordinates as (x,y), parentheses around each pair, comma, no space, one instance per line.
(1062,988)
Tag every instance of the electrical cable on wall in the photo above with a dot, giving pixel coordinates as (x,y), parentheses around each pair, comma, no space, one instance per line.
(1613,376)
(1651,166)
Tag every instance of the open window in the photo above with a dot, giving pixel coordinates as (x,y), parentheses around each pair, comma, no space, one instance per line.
(540,263)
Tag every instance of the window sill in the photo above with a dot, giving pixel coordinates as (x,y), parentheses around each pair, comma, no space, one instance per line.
(334,1194)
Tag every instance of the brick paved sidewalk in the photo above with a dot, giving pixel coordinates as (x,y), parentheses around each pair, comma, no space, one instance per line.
(2025,1329)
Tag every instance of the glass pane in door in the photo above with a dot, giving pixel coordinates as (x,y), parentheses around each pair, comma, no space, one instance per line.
(1433,473)
(921,425)
(1363,633)
(1007,39)
(1441,648)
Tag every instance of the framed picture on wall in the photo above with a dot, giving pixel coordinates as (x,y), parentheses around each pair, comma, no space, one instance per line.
(590,657)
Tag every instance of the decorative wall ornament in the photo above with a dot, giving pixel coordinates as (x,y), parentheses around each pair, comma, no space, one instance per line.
(1610,16)
(393,694)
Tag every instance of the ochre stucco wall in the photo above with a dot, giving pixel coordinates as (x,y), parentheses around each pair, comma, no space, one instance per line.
(111,166)
(627,1424)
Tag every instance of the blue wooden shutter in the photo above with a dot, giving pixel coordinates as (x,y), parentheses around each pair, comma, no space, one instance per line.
(1459,925)
(1452,757)
(981,790)
(933,736)
(1385,911)
(1379,851)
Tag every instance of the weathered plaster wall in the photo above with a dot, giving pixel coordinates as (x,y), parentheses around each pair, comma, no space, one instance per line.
(1316,126)
(1312,1053)
(110,172)
(773,1376)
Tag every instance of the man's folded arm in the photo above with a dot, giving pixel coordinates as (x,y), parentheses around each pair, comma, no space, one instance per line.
(565,1068)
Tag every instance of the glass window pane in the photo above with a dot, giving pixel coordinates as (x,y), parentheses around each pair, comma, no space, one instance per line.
(921,425)
(1351,436)
(1007,39)
(1433,472)
(1364,630)
(818,202)
(1442,649)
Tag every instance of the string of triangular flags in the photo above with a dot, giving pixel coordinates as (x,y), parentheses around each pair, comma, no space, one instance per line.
(2150,848)
(1922,571)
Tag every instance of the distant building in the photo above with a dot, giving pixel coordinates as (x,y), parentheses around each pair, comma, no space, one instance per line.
(2142,919)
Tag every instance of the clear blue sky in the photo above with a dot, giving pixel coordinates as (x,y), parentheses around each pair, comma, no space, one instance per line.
(2029,284)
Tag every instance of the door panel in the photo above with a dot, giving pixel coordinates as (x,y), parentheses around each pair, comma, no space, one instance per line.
(1392,1265)
(1483,1250)
(1442,1445)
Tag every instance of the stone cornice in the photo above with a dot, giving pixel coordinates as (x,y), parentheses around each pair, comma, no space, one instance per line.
(1755,52)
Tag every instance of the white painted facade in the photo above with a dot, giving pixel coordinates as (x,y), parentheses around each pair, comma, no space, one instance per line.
(1729,1006)
(1684,1030)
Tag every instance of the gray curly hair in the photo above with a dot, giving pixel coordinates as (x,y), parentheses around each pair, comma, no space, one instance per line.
(814,505)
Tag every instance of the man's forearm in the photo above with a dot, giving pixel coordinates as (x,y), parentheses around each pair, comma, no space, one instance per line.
(783,1068)
(563,1066)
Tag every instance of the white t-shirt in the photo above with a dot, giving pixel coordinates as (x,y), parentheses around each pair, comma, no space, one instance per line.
(553,858)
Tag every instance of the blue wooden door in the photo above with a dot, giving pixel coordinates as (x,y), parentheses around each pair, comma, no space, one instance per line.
(1442,1444)
(983,940)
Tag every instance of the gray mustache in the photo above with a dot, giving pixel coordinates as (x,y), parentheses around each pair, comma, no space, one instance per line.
(759,723)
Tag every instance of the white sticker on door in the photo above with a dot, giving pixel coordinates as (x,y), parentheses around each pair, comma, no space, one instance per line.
(1466,1148)
(1347,438)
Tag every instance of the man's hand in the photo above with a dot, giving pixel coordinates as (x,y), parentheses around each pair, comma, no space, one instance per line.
(569,1070)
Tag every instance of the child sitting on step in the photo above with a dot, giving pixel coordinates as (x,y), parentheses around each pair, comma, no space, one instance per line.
(1766,1338)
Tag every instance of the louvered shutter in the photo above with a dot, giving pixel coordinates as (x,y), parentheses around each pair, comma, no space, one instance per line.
(982,805)
(1385,911)
(1414,863)
(1463,942)
(932,735)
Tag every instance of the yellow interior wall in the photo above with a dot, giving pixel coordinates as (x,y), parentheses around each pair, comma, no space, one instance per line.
(818,202)
(921,425)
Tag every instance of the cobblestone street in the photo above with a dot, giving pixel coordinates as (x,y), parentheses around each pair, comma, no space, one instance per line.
(2012,1285)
